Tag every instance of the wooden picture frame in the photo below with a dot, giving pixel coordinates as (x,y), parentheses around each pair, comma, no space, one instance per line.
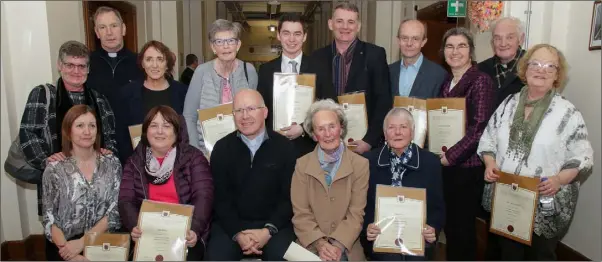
(595,32)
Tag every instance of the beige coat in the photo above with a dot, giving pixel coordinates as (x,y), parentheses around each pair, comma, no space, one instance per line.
(337,212)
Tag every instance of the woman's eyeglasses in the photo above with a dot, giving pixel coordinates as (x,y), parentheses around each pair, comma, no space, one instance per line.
(536,66)
(221,42)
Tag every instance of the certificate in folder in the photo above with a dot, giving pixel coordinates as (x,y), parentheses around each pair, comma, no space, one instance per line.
(293,95)
(216,123)
(106,246)
(354,106)
(400,214)
(164,228)
(446,123)
(514,204)
(135,134)
(417,108)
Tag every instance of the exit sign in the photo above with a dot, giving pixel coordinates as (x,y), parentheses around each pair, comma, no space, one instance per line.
(456,8)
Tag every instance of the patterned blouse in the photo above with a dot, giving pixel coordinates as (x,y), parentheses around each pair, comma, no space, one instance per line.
(560,143)
(75,205)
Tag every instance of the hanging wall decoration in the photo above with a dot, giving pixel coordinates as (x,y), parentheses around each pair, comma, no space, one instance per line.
(482,13)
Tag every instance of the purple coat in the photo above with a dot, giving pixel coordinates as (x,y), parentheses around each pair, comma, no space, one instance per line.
(192,177)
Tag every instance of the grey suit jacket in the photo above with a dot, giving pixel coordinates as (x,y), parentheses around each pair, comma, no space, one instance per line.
(428,81)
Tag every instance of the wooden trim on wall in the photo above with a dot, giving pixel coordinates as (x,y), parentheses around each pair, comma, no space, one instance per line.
(32,248)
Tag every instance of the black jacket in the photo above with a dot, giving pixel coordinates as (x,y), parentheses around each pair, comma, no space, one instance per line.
(265,85)
(107,79)
(186,76)
(369,73)
(129,110)
(512,84)
(252,191)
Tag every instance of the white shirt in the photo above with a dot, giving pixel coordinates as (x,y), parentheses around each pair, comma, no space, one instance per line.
(286,67)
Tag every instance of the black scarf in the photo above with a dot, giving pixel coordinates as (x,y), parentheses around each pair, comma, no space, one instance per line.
(64,103)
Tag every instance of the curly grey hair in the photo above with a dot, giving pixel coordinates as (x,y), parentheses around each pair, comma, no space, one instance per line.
(223,25)
(401,112)
(74,49)
(520,28)
(321,105)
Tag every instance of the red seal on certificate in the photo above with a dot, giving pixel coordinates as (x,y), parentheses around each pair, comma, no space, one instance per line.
(350,140)
(510,228)
(159,258)
(444,148)
(398,242)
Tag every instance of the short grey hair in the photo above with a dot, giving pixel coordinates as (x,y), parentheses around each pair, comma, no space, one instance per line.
(324,105)
(520,28)
(462,32)
(401,112)
(105,9)
(74,49)
(223,25)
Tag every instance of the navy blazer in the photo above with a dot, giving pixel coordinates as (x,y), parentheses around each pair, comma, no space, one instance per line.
(428,81)
(129,111)
(422,171)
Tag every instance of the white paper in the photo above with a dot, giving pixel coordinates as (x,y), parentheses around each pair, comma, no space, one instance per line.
(445,129)
(216,128)
(136,140)
(291,101)
(163,236)
(400,220)
(356,121)
(295,252)
(114,253)
(420,126)
(513,208)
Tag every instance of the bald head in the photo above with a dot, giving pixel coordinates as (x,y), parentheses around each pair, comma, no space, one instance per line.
(411,37)
(412,24)
(249,112)
(249,95)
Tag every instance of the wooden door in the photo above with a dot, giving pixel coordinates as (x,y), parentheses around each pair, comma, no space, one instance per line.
(128,14)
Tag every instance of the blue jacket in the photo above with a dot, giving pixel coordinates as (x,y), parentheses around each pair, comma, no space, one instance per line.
(423,171)
(130,111)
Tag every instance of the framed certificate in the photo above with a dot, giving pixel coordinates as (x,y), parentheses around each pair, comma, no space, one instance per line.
(106,247)
(293,95)
(401,215)
(446,123)
(216,122)
(417,107)
(164,228)
(513,207)
(354,106)
(135,134)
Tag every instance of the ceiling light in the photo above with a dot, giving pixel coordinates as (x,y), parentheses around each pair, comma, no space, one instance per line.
(273,2)
(272,28)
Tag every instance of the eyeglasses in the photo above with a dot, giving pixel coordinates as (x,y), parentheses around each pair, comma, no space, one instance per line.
(71,67)
(452,48)
(229,41)
(536,66)
(406,39)
(249,109)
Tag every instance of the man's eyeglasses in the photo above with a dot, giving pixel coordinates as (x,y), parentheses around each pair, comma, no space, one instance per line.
(536,66)
(249,109)
(221,42)
(71,67)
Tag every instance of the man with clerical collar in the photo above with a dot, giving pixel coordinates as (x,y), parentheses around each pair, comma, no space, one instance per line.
(111,65)
(252,170)
(357,66)
(507,35)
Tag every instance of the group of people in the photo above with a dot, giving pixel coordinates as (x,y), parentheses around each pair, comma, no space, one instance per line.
(262,189)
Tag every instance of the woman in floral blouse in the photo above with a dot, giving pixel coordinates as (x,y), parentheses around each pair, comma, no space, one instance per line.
(538,133)
(79,192)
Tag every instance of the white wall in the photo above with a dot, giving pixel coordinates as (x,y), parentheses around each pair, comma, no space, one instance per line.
(67,20)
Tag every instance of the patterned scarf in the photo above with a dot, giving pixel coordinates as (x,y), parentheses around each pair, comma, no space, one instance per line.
(341,63)
(502,70)
(522,131)
(330,162)
(398,163)
(159,173)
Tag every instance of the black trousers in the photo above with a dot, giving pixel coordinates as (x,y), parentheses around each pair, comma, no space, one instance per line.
(463,190)
(52,251)
(221,247)
(541,249)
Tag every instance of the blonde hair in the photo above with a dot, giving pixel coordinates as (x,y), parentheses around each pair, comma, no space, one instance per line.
(562,64)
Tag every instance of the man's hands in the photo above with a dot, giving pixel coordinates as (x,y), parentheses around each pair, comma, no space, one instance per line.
(251,241)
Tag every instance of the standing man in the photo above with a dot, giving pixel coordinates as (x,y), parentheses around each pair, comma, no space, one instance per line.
(252,171)
(292,33)
(111,66)
(414,75)
(506,39)
(357,66)
(191,63)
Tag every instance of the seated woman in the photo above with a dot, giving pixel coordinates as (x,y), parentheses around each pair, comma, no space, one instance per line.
(329,186)
(165,168)
(80,192)
(399,163)
(538,133)
(137,98)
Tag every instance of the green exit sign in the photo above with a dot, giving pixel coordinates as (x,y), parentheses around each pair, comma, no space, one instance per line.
(456,8)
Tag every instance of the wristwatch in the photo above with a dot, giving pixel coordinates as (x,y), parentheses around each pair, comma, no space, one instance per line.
(271,228)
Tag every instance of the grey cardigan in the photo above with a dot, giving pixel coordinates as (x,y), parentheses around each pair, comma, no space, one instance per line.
(205,92)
